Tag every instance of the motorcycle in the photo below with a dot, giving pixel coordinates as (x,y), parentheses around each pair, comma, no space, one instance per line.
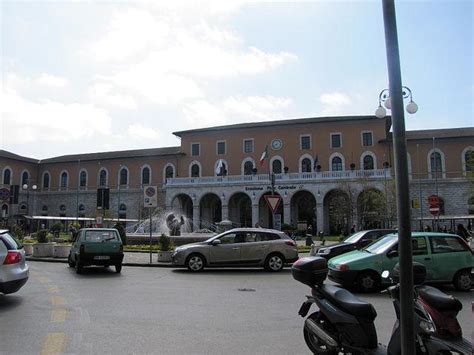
(345,324)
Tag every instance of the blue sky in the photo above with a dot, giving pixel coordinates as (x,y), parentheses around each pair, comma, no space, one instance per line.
(87,76)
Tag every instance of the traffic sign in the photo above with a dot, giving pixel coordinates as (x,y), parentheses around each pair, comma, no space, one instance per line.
(273,201)
(4,194)
(150,196)
(434,210)
(434,201)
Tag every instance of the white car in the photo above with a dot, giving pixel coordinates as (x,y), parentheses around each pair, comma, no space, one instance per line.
(14,270)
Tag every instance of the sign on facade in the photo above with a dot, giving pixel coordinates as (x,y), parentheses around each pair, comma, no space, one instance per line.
(150,196)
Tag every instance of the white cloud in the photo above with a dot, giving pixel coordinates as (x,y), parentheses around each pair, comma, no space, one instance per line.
(139,131)
(104,94)
(51,80)
(335,98)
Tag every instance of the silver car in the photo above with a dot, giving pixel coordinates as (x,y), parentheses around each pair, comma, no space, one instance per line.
(239,247)
(14,270)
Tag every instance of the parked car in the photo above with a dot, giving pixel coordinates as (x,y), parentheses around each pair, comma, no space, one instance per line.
(96,246)
(355,241)
(447,258)
(239,247)
(14,270)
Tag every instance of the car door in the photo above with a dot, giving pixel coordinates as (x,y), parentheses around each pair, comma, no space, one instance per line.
(422,255)
(254,249)
(228,251)
(450,254)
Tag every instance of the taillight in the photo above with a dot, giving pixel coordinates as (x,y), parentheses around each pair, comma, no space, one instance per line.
(290,242)
(13,257)
(81,249)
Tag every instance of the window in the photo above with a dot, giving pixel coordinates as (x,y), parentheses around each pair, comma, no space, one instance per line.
(336,164)
(24,178)
(264,237)
(63,182)
(195,170)
(440,245)
(221,148)
(367,139)
(103,178)
(276,166)
(228,238)
(123,176)
(469,159)
(419,246)
(169,173)
(305,142)
(83,179)
(306,165)
(248,167)
(123,211)
(46,181)
(195,149)
(7,174)
(336,140)
(435,160)
(248,145)
(82,210)
(146,175)
(368,162)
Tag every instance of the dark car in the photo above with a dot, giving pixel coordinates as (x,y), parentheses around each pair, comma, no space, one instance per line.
(355,241)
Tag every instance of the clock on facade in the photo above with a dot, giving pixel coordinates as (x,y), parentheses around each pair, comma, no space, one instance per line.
(277,144)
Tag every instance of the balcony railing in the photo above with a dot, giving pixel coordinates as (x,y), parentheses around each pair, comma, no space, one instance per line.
(281,178)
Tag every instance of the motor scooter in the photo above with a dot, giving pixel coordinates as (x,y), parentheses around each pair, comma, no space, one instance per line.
(345,324)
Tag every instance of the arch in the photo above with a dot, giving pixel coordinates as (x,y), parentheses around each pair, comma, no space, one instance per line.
(195,169)
(103,177)
(240,209)
(365,163)
(182,206)
(169,172)
(44,210)
(145,174)
(303,209)
(305,163)
(62,210)
(83,178)
(46,180)
(7,176)
(337,164)
(338,212)
(247,166)
(210,207)
(122,212)
(81,210)
(467,160)
(25,177)
(436,157)
(371,209)
(63,179)
(123,176)
(274,159)
(223,169)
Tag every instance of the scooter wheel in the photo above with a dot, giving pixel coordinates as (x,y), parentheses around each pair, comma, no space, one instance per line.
(312,341)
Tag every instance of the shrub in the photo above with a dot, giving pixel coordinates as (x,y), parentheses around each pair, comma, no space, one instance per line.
(165,242)
(42,236)
(123,235)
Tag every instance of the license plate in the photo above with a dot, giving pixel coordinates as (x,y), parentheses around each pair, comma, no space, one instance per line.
(101,257)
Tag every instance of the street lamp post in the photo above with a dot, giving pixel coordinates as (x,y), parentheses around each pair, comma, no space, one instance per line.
(27,188)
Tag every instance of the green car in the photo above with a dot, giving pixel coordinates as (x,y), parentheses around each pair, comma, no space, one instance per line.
(96,246)
(447,258)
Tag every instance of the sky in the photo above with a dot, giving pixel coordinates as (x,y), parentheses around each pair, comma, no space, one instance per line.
(95,76)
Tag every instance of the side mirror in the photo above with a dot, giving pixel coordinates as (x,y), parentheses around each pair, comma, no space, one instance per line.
(392,253)
(216,242)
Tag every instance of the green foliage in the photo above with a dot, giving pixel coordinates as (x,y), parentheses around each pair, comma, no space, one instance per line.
(121,229)
(42,236)
(165,242)
(287,227)
(57,227)
(18,231)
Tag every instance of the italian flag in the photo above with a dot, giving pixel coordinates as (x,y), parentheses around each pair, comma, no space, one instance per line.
(264,155)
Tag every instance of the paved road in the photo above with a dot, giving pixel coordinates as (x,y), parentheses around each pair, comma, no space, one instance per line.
(164,311)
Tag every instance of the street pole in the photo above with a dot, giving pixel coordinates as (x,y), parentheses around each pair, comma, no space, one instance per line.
(401,178)
(419,187)
(434,155)
(78,184)
(151,225)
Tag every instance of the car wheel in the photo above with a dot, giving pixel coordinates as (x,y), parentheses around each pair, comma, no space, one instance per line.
(462,281)
(195,262)
(70,262)
(118,268)
(79,267)
(368,281)
(274,262)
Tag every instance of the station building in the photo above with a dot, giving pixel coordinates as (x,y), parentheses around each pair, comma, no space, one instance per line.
(330,172)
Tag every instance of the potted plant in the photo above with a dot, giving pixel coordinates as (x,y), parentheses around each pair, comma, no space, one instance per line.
(286,169)
(164,254)
(28,246)
(43,248)
(318,168)
(353,166)
(254,171)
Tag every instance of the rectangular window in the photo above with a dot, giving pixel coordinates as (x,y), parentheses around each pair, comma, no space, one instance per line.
(305,142)
(195,149)
(367,139)
(336,140)
(248,145)
(220,148)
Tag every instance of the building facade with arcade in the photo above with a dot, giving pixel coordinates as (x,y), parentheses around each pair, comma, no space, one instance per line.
(329,172)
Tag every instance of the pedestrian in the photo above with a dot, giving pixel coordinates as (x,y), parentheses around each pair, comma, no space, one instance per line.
(462,232)
(309,236)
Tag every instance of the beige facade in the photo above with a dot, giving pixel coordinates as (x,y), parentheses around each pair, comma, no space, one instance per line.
(318,163)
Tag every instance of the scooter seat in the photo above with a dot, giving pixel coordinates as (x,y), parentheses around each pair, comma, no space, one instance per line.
(349,303)
(438,299)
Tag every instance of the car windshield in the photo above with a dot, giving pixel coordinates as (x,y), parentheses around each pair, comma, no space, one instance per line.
(101,236)
(11,241)
(382,245)
(353,238)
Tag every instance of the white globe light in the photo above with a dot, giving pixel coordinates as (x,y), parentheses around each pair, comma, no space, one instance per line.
(412,107)
(380,112)
(34,187)
(388,103)
(25,186)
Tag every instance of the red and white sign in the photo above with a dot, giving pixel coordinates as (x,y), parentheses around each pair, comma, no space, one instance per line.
(150,196)
(273,201)
(434,202)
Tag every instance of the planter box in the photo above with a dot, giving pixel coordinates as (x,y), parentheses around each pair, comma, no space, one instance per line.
(28,249)
(43,250)
(61,251)
(164,256)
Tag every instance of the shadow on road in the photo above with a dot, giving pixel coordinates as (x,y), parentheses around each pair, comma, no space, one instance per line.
(96,272)
(7,302)
(233,271)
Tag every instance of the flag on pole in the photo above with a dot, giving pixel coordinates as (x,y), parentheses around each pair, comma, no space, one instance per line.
(264,155)
(219,166)
(315,162)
